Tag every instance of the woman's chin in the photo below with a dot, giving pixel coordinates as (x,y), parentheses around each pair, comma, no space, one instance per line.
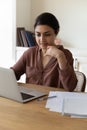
(43,47)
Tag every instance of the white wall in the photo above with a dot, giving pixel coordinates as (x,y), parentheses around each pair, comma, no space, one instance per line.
(23,15)
(7,32)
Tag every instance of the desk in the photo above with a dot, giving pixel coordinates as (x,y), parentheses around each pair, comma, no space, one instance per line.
(34,116)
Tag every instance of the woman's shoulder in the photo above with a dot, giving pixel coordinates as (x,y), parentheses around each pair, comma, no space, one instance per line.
(31,51)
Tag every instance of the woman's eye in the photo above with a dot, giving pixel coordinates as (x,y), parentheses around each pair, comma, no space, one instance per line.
(38,34)
(48,34)
(45,35)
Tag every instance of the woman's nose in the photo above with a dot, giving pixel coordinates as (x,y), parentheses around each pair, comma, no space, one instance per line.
(42,38)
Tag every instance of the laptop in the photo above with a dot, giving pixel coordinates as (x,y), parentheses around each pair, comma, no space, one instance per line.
(10,89)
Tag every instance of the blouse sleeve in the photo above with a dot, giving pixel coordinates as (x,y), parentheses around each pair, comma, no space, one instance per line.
(67,76)
(19,67)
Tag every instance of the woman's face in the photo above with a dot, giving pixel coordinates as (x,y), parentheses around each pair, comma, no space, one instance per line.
(45,36)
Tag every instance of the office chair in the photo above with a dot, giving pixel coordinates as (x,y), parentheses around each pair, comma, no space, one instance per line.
(81,84)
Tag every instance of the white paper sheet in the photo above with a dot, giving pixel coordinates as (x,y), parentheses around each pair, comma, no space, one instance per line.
(75,107)
(57,104)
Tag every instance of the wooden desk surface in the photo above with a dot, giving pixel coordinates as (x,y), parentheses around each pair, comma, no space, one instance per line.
(34,116)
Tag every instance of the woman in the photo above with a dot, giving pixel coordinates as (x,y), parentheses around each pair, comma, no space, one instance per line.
(47,64)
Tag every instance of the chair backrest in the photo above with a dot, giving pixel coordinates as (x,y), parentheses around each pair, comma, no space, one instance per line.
(81,84)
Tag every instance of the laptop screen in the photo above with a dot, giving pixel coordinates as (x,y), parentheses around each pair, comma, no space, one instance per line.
(26,96)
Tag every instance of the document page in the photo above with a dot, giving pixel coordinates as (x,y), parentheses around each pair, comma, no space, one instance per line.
(55,104)
(75,106)
(68,102)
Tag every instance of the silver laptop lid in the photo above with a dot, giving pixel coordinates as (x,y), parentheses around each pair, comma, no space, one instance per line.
(10,89)
(8,85)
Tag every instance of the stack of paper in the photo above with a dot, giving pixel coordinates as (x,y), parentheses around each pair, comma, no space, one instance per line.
(75,107)
(68,103)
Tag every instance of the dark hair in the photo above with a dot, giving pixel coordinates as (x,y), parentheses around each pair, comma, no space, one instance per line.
(47,19)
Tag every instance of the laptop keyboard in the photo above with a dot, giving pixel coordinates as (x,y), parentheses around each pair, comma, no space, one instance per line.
(26,96)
